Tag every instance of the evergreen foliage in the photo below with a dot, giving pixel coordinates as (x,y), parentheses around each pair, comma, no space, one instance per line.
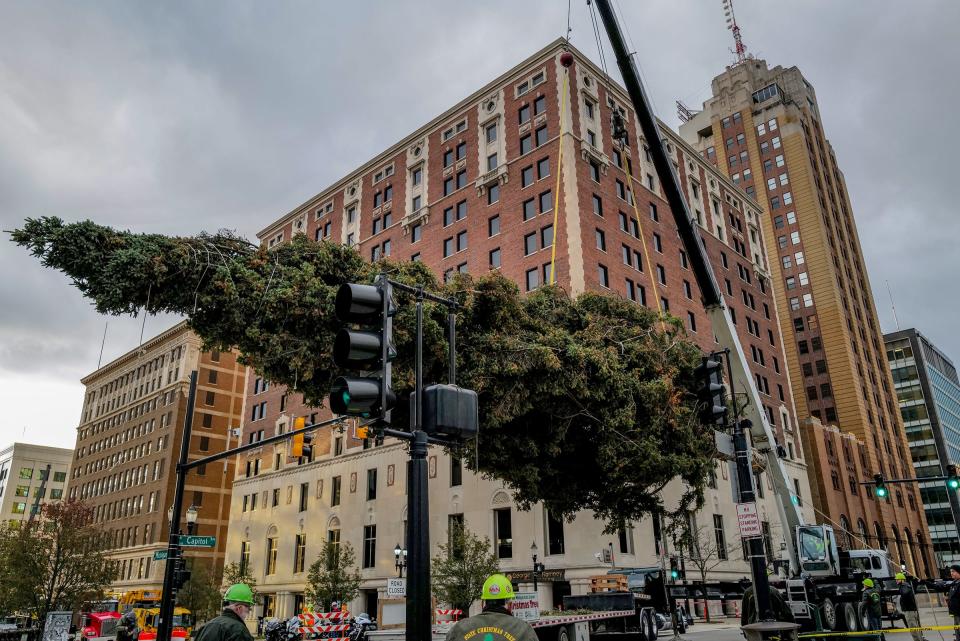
(585,403)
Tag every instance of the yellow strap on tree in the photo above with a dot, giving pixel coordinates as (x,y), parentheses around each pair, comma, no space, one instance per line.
(556,197)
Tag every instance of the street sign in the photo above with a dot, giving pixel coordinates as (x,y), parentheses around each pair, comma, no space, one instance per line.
(160,555)
(526,606)
(749,520)
(396,588)
(198,541)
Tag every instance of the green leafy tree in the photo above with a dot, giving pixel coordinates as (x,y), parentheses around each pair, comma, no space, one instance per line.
(55,561)
(462,565)
(234,573)
(201,594)
(586,402)
(332,577)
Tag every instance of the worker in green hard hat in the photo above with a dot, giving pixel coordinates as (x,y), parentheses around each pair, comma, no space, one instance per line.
(494,623)
(908,606)
(872,605)
(230,625)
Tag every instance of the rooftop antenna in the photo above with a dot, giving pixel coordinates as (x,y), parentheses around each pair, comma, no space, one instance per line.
(740,49)
(892,306)
(684,113)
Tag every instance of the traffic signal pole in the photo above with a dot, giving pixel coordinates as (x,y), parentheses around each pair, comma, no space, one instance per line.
(168,596)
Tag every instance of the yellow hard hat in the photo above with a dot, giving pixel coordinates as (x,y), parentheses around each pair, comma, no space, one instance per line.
(868,583)
(900,576)
(497,586)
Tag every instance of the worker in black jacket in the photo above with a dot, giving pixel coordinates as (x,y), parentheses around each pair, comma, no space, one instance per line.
(908,605)
(230,626)
(953,598)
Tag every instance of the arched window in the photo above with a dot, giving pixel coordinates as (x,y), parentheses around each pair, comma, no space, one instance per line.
(862,529)
(881,541)
(896,539)
(846,535)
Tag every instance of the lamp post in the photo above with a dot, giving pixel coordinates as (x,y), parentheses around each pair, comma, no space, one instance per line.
(192,513)
(400,559)
(537,567)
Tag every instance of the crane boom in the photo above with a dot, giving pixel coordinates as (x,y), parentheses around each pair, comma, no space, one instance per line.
(720,319)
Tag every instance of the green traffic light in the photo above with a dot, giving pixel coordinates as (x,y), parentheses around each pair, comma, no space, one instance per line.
(953,483)
(345,395)
(882,492)
(674,574)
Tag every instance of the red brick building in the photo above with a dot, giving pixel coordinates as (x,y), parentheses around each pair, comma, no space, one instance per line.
(483,186)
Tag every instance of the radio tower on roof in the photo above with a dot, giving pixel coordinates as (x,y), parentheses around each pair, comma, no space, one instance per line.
(740,49)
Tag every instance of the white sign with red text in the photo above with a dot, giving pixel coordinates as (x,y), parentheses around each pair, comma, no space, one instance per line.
(526,606)
(749,520)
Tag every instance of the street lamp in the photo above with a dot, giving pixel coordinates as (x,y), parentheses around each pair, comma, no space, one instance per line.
(400,559)
(192,513)
(537,567)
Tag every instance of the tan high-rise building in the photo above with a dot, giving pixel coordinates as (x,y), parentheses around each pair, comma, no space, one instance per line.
(763,128)
(31,475)
(128,445)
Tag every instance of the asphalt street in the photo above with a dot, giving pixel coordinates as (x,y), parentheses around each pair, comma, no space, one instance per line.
(731,631)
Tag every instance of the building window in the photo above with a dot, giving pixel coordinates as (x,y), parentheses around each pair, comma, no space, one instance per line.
(372,484)
(271,556)
(529,209)
(541,134)
(491,133)
(524,114)
(539,105)
(532,279)
(299,553)
(369,546)
(720,537)
(526,144)
(597,205)
(493,194)
(492,162)
(456,471)
(526,176)
(555,541)
(603,275)
(335,491)
(546,202)
(601,240)
(503,532)
(543,168)
(417,176)
(495,258)
(304,495)
(529,243)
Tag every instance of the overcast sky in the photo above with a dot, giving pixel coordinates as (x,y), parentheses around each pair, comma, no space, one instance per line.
(178,117)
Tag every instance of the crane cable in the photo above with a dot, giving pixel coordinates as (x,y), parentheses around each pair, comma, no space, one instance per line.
(556,194)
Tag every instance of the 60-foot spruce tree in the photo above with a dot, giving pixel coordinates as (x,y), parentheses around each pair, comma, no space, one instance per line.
(585,402)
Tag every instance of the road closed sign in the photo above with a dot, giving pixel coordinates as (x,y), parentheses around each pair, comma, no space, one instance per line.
(396,588)
(749,520)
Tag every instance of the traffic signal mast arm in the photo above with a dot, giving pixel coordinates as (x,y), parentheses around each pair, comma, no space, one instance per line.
(252,446)
(722,325)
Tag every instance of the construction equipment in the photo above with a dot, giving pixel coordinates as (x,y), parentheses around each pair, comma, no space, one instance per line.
(823,578)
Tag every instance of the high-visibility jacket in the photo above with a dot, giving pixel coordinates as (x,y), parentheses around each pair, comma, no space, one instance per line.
(493,624)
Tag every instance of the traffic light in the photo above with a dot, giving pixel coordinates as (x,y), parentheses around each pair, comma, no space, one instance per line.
(369,349)
(674,568)
(711,392)
(449,410)
(881,487)
(364,432)
(953,480)
(302,444)
(181,573)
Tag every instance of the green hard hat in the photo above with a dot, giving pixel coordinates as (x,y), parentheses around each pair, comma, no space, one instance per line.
(900,576)
(239,593)
(497,586)
(868,583)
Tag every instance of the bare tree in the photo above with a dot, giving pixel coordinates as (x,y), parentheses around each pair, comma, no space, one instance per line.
(708,550)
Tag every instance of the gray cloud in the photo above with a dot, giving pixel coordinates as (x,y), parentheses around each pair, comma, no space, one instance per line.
(177,117)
